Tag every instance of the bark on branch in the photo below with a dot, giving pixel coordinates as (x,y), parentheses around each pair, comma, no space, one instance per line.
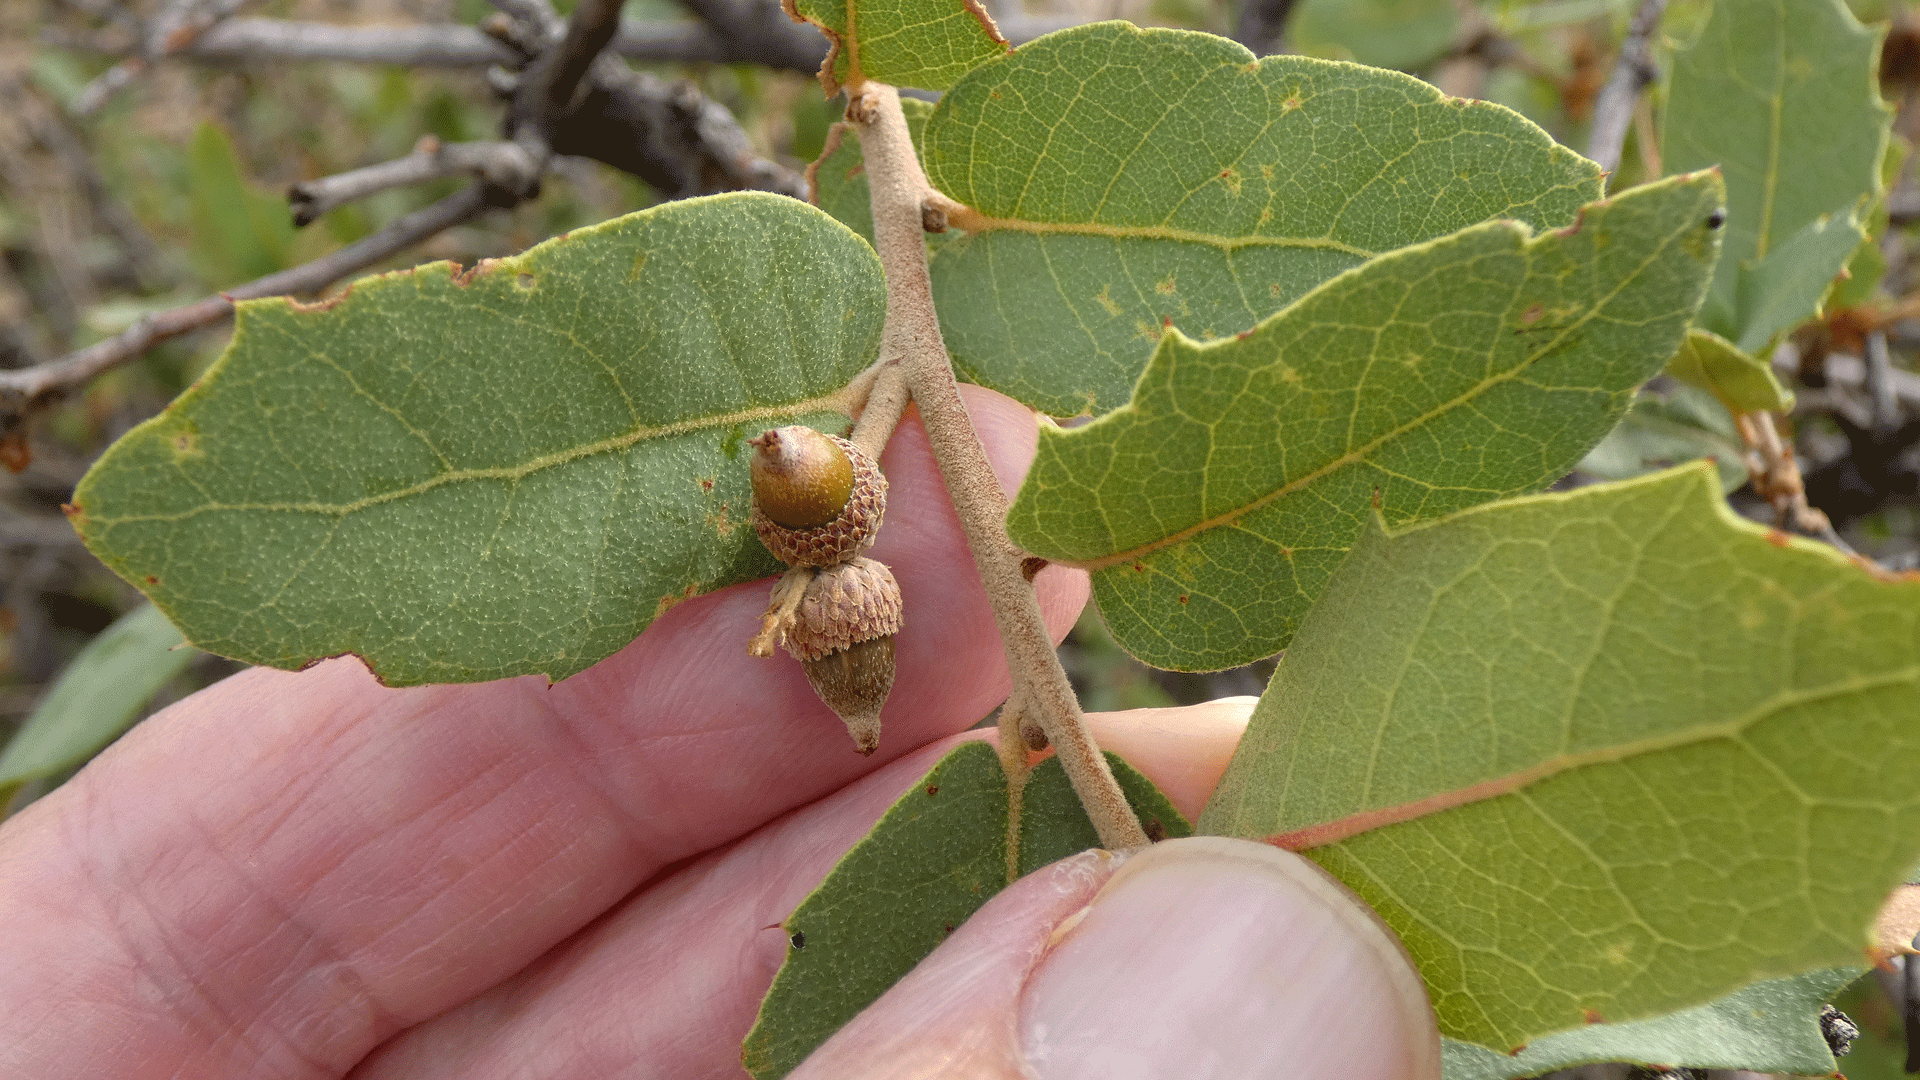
(911,343)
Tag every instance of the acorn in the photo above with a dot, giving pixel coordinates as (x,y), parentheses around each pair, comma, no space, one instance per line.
(817,499)
(842,634)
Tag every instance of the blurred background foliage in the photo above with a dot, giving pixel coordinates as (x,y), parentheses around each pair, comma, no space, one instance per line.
(176,188)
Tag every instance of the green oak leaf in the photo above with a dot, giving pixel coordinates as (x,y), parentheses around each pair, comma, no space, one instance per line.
(925,43)
(513,470)
(96,698)
(837,182)
(1786,288)
(1782,95)
(1212,508)
(1740,381)
(1667,427)
(1769,1027)
(932,860)
(1596,756)
(1123,180)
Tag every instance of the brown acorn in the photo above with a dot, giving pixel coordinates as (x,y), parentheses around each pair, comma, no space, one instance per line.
(817,499)
(842,635)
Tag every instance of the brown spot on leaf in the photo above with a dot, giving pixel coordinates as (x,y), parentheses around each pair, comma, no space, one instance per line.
(1139,568)
(933,789)
(1155,829)
(151,580)
(1592,1016)
(71,510)
(484,266)
(692,590)
(1183,598)
(706,484)
(1532,314)
(323,304)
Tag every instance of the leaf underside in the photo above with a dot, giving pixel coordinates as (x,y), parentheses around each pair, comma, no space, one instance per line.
(1127,179)
(461,477)
(1596,756)
(1769,1027)
(1485,364)
(925,43)
(932,860)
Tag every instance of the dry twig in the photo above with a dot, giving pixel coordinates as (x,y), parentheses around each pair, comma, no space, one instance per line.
(1613,110)
(25,391)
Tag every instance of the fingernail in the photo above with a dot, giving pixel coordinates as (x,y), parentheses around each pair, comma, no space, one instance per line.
(1210,957)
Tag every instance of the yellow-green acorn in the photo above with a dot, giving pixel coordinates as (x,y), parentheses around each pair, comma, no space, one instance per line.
(817,499)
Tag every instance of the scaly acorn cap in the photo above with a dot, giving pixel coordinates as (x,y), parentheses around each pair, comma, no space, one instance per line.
(817,499)
(843,636)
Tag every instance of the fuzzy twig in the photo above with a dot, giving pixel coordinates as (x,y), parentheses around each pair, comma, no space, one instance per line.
(911,338)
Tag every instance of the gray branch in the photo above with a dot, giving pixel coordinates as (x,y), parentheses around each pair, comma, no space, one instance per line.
(1613,109)
(501,163)
(27,389)
(780,43)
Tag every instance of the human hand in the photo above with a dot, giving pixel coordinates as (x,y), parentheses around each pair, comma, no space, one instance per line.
(306,875)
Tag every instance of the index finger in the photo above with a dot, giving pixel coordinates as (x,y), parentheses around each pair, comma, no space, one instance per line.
(277,874)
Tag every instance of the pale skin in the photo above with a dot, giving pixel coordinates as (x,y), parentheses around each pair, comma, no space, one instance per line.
(310,875)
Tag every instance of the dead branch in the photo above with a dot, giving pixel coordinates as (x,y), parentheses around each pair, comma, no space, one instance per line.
(175,28)
(1613,109)
(25,391)
(500,163)
(780,44)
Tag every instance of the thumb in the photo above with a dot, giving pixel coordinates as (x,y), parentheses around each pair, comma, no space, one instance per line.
(1190,960)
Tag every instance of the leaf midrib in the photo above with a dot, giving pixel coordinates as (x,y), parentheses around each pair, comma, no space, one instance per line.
(1730,730)
(835,402)
(973,221)
(1359,454)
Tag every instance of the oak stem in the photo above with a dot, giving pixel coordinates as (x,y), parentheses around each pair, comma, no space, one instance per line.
(911,342)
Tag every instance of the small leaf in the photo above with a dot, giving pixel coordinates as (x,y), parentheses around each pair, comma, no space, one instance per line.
(1783,97)
(1769,1027)
(1126,178)
(1214,505)
(839,178)
(461,477)
(239,233)
(95,699)
(1785,289)
(1741,382)
(1668,428)
(1596,756)
(925,43)
(932,860)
